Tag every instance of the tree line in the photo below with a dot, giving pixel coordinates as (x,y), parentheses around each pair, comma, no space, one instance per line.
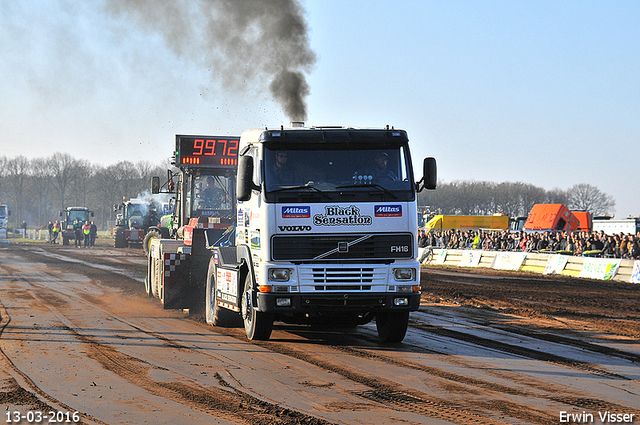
(511,199)
(36,190)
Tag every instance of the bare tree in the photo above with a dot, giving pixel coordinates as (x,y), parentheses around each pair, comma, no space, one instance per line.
(585,197)
(40,189)
(557,196)
(17,170)
(3,166)
(80,184)
(64,171)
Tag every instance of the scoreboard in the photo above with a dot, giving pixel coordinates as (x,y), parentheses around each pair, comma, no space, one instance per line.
(207,150)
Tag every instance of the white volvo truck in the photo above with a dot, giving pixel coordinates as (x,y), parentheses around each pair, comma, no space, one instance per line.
(324,232)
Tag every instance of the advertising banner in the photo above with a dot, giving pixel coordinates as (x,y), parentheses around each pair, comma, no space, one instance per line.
(508,260)
(470,258)
(555,264)
(635,276)
(442,257)
(599,268)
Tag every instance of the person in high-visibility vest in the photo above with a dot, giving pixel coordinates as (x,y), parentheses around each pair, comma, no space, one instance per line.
(55,231)
(86,230)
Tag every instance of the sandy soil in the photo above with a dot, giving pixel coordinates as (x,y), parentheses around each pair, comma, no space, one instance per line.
(78,334)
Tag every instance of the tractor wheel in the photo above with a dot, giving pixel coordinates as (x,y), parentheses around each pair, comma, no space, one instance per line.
(151,235)
(119,241)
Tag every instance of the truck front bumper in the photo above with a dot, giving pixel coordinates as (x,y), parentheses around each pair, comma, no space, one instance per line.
(339,302)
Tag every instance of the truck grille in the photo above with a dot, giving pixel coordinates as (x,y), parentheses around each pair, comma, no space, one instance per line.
(336,278)
(342,247)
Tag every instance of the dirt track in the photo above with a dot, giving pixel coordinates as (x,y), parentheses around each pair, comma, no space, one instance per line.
(79,334)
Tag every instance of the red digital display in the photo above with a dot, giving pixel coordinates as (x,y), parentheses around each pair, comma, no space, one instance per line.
(207,150)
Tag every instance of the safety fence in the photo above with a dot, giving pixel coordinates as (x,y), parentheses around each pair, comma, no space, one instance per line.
(585,267)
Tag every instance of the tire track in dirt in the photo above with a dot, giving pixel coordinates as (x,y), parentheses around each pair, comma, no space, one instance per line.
(225,402)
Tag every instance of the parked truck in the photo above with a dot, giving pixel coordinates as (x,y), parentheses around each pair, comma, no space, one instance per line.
(4,218)
(321,235)
(551,217)
(466,222)
(68,217)
(612,226)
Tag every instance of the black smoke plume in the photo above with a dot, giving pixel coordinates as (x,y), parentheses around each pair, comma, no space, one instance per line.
(243,42)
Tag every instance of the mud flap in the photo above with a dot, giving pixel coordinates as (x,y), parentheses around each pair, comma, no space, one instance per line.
(175,279)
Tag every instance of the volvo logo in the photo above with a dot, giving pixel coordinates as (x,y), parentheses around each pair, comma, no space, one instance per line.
(294,228)
(343,247)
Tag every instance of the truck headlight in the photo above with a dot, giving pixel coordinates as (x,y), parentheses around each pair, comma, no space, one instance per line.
(401,302)
(279,275)
(404,274)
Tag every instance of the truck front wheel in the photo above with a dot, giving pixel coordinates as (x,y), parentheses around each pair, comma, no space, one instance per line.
(257,324)
(392,326)
(214,314)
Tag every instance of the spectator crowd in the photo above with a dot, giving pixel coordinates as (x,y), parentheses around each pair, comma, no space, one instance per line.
(587,244)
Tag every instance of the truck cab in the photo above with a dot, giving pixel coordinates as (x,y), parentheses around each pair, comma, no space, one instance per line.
(331,237)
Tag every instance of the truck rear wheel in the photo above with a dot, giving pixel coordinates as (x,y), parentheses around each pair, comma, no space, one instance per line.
(257,324)
(151,235)
(392,326)
(214,314)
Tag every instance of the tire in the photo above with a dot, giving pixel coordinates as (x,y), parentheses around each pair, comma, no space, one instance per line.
(119,241)
(146,243)
(257,324)
(147,286)
(65,241)
(392,326)
(214,314)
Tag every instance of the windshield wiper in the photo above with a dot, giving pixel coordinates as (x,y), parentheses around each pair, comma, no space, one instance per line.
(372,185)
(290,188)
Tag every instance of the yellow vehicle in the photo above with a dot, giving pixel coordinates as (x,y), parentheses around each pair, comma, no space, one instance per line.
(466,222)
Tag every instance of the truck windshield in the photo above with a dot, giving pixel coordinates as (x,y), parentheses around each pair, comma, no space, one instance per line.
(358,173)
(3,212)
(213,195)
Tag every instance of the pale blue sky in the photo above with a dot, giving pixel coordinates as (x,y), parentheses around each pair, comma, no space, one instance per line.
(542,92)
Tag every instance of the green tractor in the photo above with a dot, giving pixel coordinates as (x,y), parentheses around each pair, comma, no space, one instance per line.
(134,218)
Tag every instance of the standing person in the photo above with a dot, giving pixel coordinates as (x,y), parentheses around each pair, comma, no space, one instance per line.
(93,233)
(50,230)
(77,233)
(56,231)
(86,232)
(609,247)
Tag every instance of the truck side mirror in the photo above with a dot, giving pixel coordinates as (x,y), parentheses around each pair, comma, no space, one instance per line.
(245,183)
(429,173)
(155,185)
